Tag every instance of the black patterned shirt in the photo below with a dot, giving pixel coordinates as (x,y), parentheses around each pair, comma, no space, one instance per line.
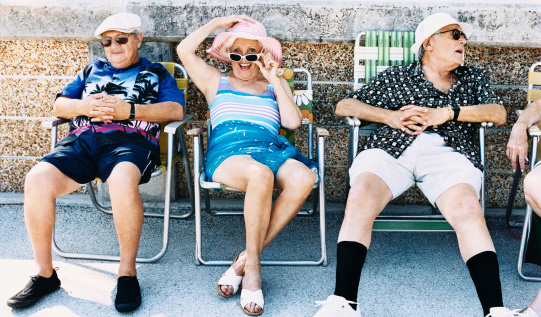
(399,86)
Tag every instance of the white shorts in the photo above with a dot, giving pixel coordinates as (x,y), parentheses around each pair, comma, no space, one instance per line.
(428,161)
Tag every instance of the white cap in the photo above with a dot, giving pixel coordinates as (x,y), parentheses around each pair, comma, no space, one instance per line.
(432,24)
(122,22)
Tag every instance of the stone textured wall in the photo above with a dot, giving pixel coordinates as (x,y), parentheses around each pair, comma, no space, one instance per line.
(32,72)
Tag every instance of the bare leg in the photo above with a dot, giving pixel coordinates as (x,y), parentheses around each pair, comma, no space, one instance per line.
(257,180)
(367,198)
(296,181)
(127,213)
(460,207)
(42,185)
(536,303)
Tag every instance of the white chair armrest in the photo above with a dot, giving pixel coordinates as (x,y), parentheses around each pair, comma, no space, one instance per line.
(322,132)
(173,126)
(534,130)
(53,122)
(352,121)
(196,131)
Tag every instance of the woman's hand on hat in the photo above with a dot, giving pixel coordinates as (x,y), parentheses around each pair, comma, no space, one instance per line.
(269,67)
(228,22)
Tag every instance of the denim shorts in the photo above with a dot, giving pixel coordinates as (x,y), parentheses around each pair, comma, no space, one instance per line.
(428,162)
(84,159)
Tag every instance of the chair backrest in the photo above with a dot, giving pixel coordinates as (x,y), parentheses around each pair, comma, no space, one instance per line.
(534,91)
(534,84)
(381,49)
(303,99)
(182,84)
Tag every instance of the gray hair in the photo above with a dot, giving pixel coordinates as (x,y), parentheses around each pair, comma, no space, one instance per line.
(421,53)
(422,50)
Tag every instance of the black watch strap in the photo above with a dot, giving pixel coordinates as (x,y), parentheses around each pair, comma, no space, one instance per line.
(456,110)
(132,111)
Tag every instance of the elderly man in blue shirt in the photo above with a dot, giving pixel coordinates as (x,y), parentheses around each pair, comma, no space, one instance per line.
(115,106)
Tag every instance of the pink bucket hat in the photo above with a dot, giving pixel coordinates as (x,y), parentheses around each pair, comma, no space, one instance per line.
(245,30)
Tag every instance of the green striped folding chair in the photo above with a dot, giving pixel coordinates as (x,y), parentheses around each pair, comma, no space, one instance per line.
(381,50)
(303,99)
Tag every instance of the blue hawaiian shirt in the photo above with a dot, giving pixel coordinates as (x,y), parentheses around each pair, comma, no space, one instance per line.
(141,83)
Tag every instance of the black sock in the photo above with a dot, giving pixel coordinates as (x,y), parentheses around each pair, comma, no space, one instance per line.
(485,274)
(350,261)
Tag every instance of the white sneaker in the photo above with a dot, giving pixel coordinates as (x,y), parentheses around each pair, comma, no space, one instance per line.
(336,306)
(504,312)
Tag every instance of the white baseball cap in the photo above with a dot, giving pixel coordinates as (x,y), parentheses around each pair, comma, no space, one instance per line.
(432,24)
(122,22)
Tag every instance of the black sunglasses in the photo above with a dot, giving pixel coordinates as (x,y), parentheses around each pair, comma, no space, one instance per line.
(248,57)
(456,34)
(120,39)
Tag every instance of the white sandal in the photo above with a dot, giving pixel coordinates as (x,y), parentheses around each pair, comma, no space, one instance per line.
(248,296)
(229,278)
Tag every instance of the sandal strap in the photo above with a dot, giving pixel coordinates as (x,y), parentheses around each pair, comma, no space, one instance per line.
(231,278)
(247,296)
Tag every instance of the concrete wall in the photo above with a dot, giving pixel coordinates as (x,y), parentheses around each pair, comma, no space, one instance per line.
(45,43)
(496,23)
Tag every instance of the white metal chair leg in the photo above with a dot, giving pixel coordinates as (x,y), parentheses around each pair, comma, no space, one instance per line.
(321,170)
(524,244)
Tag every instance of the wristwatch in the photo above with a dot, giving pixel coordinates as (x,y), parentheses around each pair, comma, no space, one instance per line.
(456,110)
(132,111)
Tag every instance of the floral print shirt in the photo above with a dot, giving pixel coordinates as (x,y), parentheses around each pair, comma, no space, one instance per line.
(141,83)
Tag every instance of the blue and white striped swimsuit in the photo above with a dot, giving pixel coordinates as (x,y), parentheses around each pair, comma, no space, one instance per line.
(245,124)
(230,104)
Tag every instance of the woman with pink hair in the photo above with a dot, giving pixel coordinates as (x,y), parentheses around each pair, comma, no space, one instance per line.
(247,106)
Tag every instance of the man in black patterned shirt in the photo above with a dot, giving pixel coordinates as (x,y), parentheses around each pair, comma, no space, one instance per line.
(429,110)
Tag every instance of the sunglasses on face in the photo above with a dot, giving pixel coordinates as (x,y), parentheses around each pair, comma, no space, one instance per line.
(120,39)
(248,57)
(456,34)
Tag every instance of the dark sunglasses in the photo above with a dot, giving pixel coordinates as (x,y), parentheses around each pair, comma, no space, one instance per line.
(248,57)
(120,39)
(456,34)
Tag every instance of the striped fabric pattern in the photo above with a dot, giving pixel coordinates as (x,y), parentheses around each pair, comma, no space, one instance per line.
(230,104)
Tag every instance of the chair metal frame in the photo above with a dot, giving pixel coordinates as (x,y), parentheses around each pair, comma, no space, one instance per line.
(200,182)
(393,56)
(534,79)
(528,217)
(172,129)
(535,133)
